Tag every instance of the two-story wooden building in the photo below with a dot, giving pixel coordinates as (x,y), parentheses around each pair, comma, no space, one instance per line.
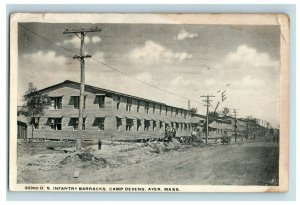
(108,115)
(220,127)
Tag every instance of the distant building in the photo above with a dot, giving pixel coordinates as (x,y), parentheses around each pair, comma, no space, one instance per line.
(108,115)
(220,127)
(22,124)
(197,124)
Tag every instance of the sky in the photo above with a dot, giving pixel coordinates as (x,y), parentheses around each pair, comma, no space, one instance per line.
(188,60)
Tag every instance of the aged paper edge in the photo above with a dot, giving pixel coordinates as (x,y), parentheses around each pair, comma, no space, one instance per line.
(221,19)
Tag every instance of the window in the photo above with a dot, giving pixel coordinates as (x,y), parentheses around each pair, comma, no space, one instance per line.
(119,123)
(129,124)
(138,105)
(176,112)
(147,107)
(56,102)
(146,125)
(160,109)
(74,123)
(185,114)
(76,100)
(181,125)
(171,111)
(177,125)
(55,123)
(153,107)
(166,110)
(101,101)
(35,122)
(138,124)
(118,102)
(99,122)
(154,125)
(181,112)
(129,104)
(194,127)
(160,124)
(185,126)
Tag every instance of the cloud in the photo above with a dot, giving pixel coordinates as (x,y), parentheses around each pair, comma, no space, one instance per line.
(99,55)
(153,52)
(48,68)
(96,39)
(182,35)
(249,57)
(75,41)
(43,68)
(46,58)
(94,65)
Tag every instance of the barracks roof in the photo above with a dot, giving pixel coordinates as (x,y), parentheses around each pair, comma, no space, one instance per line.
(69,82)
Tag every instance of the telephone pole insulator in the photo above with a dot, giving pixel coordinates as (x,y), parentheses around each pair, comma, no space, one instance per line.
(224,96)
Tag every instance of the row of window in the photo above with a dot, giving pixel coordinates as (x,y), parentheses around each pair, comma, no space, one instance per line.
(56,103)
(56,124)
(146,126)
(177,111)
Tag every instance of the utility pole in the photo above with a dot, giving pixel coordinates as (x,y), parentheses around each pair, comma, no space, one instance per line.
(81,33)
(235,124)
(247,128)
(216,107)
(207,101)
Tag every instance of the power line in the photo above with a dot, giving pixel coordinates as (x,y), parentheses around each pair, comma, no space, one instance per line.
(141,80)
(46,39)
(81,33)
(108,66)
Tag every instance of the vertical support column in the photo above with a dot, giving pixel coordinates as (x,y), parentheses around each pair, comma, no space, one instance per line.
(134,127)
(151,125)
(123,127)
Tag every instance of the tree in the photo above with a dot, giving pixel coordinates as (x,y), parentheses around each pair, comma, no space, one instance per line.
(34,106)
(213,114)
(225,111)
(194,110)
(211,117)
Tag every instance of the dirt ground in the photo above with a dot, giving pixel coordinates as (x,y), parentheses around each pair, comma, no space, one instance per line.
(248,163)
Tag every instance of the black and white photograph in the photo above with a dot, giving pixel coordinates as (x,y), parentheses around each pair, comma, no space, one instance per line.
(149,102)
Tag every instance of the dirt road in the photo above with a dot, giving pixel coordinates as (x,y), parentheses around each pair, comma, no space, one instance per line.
(252,163)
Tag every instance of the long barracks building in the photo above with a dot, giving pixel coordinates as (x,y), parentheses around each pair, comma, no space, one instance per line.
(108,115)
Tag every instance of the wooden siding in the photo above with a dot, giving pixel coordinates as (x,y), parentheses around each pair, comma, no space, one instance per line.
(109,112)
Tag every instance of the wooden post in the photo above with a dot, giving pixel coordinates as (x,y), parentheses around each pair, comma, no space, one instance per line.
(81,58)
